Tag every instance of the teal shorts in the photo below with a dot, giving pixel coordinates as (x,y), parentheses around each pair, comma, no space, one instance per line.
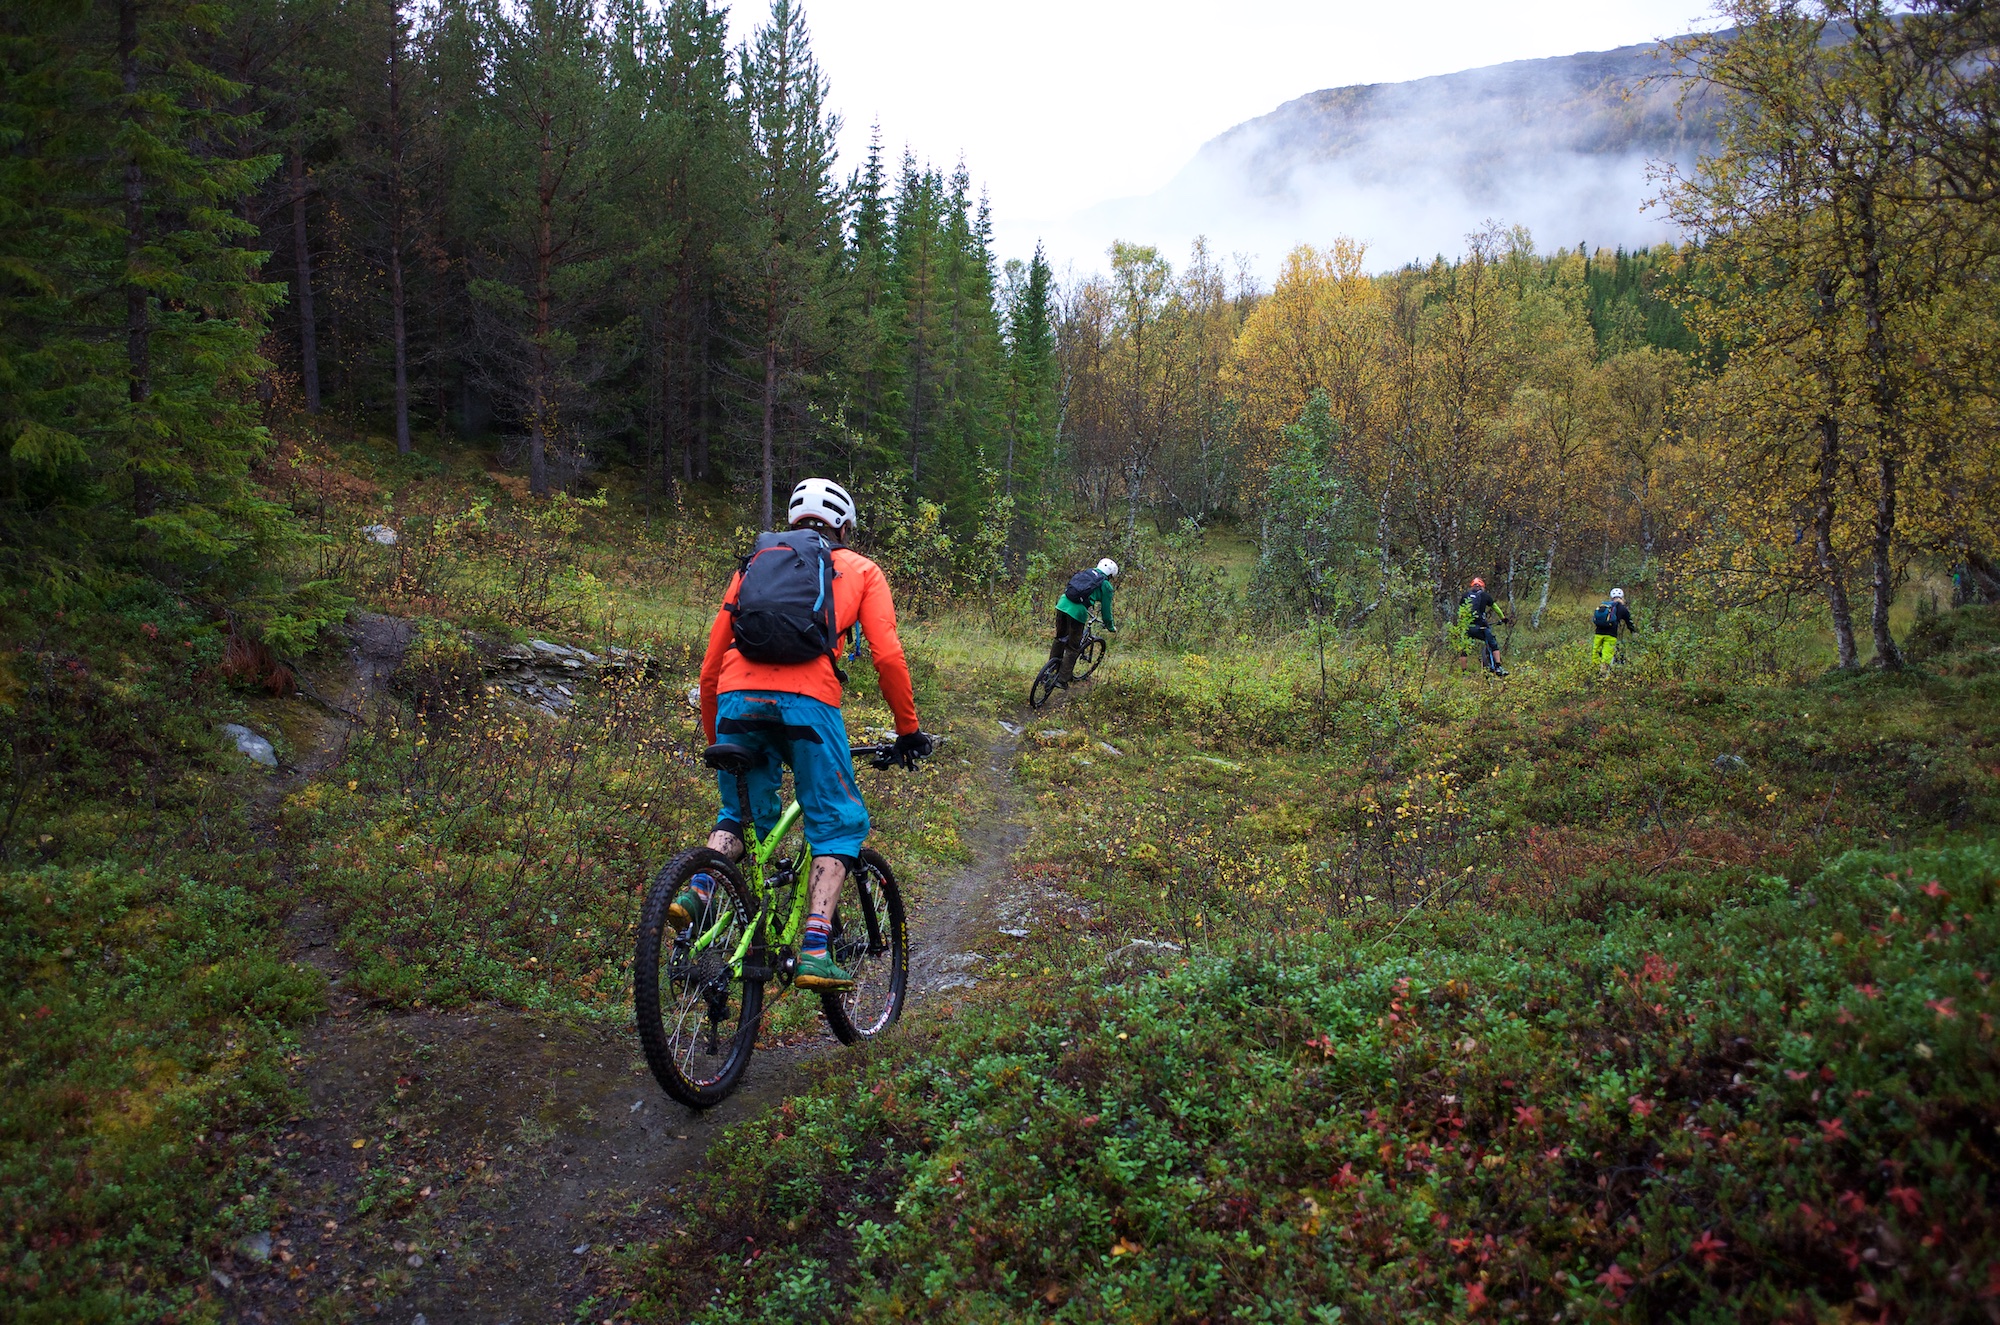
(807,735)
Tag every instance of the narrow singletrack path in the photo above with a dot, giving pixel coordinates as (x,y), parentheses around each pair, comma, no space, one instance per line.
(479,1165)
(952,927)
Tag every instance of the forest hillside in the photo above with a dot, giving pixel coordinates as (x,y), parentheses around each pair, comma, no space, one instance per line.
(387,396)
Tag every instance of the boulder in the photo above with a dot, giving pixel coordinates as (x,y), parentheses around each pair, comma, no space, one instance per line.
(250,745)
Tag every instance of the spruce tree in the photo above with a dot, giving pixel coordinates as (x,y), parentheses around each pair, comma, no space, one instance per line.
(1031,396)
(873,335)
(788,250)
(551,151)
(130,314)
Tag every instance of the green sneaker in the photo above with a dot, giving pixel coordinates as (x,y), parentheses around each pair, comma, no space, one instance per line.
(689,908)
(819,971)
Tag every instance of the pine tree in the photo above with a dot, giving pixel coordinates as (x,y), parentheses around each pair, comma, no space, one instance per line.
(692,195)
(131,312)
(873,335)
(1031,395)
(789,248)
(551,153)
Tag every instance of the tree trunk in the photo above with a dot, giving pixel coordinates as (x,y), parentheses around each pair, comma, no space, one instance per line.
(400,347)
(538,424)
(1548,577)
(770,422)
(1884,580)
(138,311)
(302,260)
(702,417)
(1888,404)
(1831,573)
(1825,491)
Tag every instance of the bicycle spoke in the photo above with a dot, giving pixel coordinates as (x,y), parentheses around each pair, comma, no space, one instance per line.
(869,941)
(697,1014)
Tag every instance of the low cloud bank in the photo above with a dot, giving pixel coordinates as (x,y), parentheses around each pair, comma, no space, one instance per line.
(1561,146)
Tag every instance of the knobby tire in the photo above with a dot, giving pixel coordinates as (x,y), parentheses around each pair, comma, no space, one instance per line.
(1088,660)
(871,939)
(1047,682)
(697,1020)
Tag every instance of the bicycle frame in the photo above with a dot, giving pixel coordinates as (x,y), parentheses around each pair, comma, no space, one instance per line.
(757,854)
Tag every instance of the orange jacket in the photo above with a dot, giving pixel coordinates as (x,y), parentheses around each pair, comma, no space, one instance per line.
(860,594)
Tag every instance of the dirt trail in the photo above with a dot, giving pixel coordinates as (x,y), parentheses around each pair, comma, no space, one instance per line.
(948,935)
(479,1166)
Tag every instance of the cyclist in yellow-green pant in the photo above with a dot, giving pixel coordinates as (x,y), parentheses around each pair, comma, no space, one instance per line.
(1605,621)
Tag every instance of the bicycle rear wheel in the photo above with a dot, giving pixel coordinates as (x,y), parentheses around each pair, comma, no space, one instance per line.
(871,941)
(1092,655)
(1047,682)
(697,1017)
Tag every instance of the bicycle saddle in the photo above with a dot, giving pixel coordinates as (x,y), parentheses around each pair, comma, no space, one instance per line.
(729,757)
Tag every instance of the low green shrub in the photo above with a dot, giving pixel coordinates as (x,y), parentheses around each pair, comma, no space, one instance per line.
(1728,1099)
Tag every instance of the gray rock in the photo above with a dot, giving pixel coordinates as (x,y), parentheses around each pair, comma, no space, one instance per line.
(221,1280)
(578,1251)
(420,1320)
(1219,763)
(1052,734)
(636,1106)
(1727,763)
(250,745)
(1111,750)
(257,1246)
(415,1262)
(1011,728)
(1139,950)
(549,650)
(955,982)
(379,533)
(1015,933)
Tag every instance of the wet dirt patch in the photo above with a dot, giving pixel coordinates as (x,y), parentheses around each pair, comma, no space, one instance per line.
(488,1164)
(479,1165)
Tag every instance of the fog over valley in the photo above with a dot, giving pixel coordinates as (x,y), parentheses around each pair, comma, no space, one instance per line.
(1563,146)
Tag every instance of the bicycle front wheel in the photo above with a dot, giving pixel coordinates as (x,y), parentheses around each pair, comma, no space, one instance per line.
(1092,655)
(870,940)
(697,1016)
(1047,681)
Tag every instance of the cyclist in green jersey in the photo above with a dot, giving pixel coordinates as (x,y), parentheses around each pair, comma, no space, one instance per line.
(1087,588)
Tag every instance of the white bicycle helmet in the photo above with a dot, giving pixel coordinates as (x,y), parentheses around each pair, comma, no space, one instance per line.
(1108,566)
(1618,595)
(823,500)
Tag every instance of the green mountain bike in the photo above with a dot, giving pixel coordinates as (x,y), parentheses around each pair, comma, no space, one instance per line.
(699,992)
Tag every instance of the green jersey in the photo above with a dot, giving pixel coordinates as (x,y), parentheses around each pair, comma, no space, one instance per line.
(1101,595)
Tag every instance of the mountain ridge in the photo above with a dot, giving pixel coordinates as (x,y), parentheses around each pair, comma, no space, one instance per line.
(1566,145)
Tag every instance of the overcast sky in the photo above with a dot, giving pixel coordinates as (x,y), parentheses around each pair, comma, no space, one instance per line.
(1059,104)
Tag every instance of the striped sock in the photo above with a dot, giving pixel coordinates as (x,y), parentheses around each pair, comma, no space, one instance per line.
(818,930)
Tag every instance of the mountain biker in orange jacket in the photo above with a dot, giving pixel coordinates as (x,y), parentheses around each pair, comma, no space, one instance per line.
(789,713)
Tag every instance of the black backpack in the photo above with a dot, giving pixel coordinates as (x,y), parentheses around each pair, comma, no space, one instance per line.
(1082,585)
(784,608)
(1605,618)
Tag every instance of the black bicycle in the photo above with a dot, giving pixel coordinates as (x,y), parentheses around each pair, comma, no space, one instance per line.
(1089,655)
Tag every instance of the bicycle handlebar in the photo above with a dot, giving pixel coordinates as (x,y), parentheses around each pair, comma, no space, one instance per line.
(883,754)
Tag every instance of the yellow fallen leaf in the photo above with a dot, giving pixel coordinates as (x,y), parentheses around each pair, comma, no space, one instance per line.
(362,1142)
(1126,1247)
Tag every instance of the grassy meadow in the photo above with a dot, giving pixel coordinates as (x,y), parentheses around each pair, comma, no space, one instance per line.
(1665,993)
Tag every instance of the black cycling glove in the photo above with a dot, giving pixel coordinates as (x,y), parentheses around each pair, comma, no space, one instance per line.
(911,747)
